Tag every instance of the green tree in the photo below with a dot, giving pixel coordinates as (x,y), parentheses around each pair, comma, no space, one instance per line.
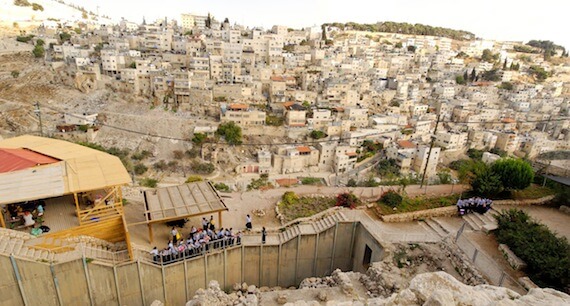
(485,182)
(40,42)
(460,80)
(391,198)
(506,86)
(489,57)
(231,132)
(316,134)
(398,45)
(514,174)
(199,138)
(64,36)
(444,176)
(475,154)
(38,51)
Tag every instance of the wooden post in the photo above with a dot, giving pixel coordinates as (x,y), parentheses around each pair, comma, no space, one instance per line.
(2,222)
(150,236)
(220,219)
(77,207)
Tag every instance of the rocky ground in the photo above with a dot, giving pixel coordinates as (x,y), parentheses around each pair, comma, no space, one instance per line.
(432,288)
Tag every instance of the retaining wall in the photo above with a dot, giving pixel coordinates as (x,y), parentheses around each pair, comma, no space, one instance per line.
(84,282)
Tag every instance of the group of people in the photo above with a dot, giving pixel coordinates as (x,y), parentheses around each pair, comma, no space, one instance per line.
(477,204)
(197,242)
(25,213)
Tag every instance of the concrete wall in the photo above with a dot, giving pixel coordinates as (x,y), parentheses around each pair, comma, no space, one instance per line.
(140,283)
(361,240)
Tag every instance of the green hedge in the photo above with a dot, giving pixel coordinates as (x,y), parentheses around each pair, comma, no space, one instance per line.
(547,255)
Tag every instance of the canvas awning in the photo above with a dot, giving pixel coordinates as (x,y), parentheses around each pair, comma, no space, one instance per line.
(78,169)
(182,201)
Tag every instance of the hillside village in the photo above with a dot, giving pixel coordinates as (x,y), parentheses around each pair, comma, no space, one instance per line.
(118,140)
(320,99)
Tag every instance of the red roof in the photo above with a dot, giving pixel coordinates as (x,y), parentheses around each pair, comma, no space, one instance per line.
(304,149)
(406,144)
(18,159)
(351,154)
(237,106)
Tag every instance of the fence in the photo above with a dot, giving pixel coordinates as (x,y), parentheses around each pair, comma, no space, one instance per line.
(168,257)
(488,266)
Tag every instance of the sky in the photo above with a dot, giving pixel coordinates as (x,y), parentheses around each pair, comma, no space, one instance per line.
(520,20)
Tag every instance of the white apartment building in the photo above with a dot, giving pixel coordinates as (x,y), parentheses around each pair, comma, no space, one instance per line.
(451,141)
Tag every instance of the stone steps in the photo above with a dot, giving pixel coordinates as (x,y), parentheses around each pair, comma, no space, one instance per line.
(436,227)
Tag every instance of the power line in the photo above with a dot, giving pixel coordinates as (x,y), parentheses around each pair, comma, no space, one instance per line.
(292,142)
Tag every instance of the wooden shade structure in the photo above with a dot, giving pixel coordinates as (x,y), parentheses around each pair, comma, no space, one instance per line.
(180,202)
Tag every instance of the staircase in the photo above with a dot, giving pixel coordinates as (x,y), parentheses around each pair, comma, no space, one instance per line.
(24,245)
(433,225)
(328,221)
(481,222)
(319,225)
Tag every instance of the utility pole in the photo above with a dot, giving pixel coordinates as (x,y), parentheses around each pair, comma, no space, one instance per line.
(39,113)
(429,152)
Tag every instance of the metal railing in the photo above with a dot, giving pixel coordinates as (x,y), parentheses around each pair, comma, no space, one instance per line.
(488,266)
(187,252)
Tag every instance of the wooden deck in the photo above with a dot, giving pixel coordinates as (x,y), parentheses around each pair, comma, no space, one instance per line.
(60,213)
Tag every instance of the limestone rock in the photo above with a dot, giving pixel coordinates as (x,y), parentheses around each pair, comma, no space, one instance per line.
(282,298)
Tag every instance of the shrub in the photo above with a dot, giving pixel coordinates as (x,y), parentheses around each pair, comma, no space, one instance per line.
(347,199)
(24,39)
(546,255)
(513,173)
(391,198)
(315,134)
(311,181)
(140,169)
(351,183)
(15,73)
(178,154)
(160,165)
(38,51)
(192,153)
(475,154)
(148,182)
(222,187)
(141,155)
(22,3)
(37,7)
(444,176)
(203,168)
(289,198)
(194,178)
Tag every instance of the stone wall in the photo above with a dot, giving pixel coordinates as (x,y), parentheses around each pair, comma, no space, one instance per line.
(514,261)
(452,210)
(539,201)
(421,214)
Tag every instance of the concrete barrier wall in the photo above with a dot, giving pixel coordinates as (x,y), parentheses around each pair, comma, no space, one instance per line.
(141,283)
(361,241)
